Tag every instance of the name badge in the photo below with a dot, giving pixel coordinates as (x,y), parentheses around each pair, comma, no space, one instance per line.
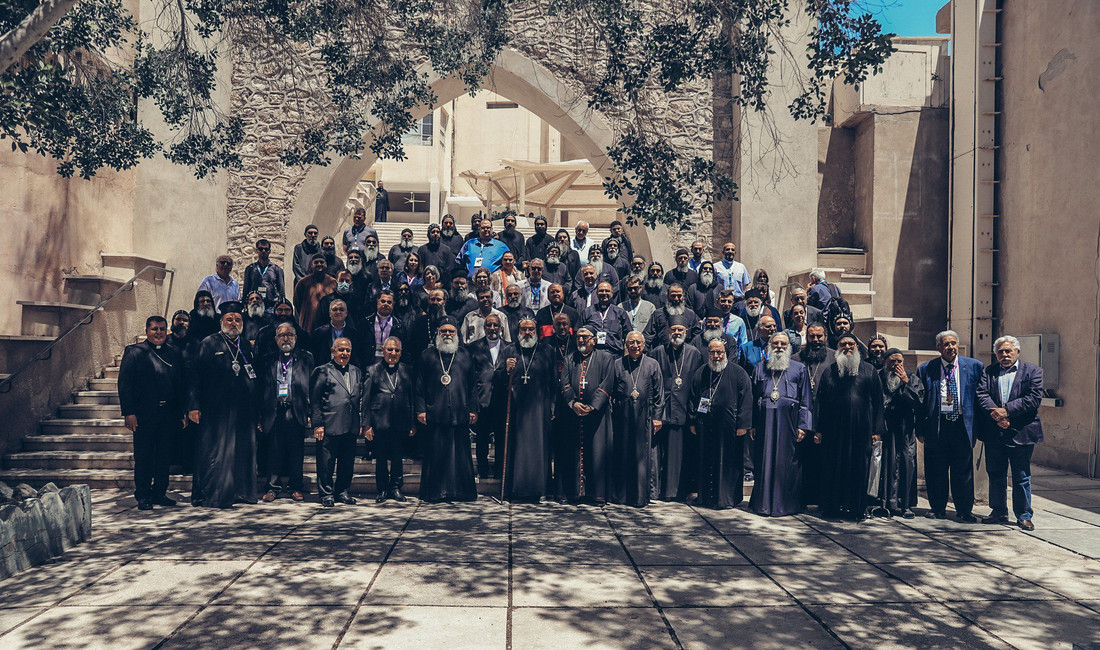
(704,405)
(248,370)
(478,261)
(601,338)
(284,390)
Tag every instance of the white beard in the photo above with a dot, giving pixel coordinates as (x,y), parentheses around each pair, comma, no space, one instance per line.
(712,334)
(370,254)
(355,267)
(779,360)
(706,279)
(675,310)
(754,312)
(598,265)
(682,268)
(893,382)
(405,245)
(514,302)
(527,341)
(719,366)
(448,232)
(231,332)
(255,311)
(848,364)
(677,340)
(553,260)
(654,283)
(612,255)
(446,345)
(207,312)
(286,347)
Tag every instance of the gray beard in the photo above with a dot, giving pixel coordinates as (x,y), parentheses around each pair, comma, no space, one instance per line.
(719,366)
(779,361)
(354,267)
(286,347)
(654,283)
(370,254)
(706,279)
(848,365)
(205,313)
(754,312)
(598,265)
(448,232)
(682,268)
(527,341)
(612,254)
(552,260)
(231,332)
(435,312)
(446,346)
(711,334)
(677,340)
(514,303)
(405,245)
(675,310)
(893,382)
(462,294)
(255,311)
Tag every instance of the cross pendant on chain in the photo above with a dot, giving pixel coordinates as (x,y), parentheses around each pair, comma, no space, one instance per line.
(525,378)
(584,383)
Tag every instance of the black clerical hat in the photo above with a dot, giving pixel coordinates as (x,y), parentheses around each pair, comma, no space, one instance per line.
(230,307)
(891,352)
(754,293)
(448,320)
(680,319)
(713,311)
(847,335)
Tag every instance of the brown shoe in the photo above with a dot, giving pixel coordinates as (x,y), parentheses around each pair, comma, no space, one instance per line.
(269,497)
(297,496)
(1026,524)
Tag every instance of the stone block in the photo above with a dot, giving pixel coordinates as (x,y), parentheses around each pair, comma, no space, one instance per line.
(5,493)
(43,527)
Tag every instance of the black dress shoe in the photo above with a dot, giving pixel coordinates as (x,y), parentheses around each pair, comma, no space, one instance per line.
(381,498)
(1025,524)
(967,518)
(327,502)
(932,514)
(995,519)
(196,503)
(165,501)
(145,504)
(346,499)
(396,495)
(908,514)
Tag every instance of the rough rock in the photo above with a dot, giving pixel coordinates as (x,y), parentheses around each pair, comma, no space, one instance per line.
(44,527)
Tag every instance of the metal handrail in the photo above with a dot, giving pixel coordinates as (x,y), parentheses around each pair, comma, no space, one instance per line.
(6,382)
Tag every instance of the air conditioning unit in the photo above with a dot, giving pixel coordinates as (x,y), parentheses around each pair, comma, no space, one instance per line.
(1042,350)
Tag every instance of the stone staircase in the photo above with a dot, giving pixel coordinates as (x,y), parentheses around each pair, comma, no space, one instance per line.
(846,267)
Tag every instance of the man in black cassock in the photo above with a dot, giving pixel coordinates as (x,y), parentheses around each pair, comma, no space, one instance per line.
(903,396)
(446,406)
(255,317)
(783,402)
(609,321)
(222,400)
(284,413)
(817,357)
(151,394)
(848,416)
(490,354)
(562,346)
(675,445)
(721,401)
(587,380)
(636,417)
(388,417)
(535,391)
(203,317)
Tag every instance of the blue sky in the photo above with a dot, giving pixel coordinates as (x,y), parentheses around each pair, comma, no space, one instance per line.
(906,17)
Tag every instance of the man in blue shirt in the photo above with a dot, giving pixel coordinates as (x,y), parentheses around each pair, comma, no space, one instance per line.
(220,285)
(483,251)
(733,274)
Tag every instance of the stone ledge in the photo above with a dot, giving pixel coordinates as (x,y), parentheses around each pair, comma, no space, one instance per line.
(41,527)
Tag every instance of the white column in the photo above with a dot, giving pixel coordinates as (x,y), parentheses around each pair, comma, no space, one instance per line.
(523,194)
(433,201)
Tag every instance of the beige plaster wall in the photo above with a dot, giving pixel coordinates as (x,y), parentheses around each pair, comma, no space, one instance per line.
(1049,232)
(53,224)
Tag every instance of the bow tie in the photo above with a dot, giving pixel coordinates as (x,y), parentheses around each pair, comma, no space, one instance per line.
(1008,370)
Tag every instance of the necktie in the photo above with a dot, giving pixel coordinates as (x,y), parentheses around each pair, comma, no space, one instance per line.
(952,393)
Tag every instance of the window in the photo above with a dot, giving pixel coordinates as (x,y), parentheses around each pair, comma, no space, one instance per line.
(409,202)
(421,134)
(495,105)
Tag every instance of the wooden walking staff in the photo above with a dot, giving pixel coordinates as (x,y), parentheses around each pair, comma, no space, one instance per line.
(507,427)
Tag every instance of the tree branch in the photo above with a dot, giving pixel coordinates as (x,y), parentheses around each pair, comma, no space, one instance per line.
(31,29)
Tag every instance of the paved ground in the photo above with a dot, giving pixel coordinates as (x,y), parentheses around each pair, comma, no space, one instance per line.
(486,575)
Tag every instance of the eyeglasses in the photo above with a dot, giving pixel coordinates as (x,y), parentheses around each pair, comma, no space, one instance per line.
(225,263)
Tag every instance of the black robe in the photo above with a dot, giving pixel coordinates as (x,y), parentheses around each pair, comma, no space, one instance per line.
(812,462)
(902,409)
(534,394)
(226,466)
(776,461)
(448,468)
(847,412)
(721,451)
(560,437)
(585,461)
(639,400)
(677,450)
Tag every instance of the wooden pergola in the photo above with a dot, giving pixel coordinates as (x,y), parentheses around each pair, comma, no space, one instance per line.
(570,185)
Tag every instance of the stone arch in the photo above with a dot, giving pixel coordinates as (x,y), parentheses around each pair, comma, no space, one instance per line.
(323,191)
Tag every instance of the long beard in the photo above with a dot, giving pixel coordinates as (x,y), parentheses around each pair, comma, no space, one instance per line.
(706,279)
(405,245)
(527,341)
(435,312)
(446,345)
(677,340)
(255,311)
(448,232)
(205,312)
(230,331)
(462,294)
(514,302)
(893,382)
(848,364)
(598,265)
(812,353)
(612,255)
(717,366)
(370,254)
(654,284)
(675,310)
(403,302)
(779,360)
(330,255)
(754,311)
(712,333)
(355,267)
(553,260)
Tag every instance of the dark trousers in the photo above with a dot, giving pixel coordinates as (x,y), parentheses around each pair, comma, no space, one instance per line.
(285,451)
(490,428)
(949,460)
(999,457)
(335,453)
(153,445)
(389,458)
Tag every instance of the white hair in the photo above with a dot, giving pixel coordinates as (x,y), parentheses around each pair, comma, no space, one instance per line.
(818,275)
(1015,342)
(848,363)
(946,333)
(779,360)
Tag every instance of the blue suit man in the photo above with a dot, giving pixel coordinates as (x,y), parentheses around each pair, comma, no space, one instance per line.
(1009,396)
(950,390)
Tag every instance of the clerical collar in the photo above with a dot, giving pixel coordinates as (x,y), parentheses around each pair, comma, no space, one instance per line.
(343,368)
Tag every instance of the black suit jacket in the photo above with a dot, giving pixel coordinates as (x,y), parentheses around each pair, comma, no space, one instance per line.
(385,407)
(151,382)
(301,369)
(321,345)
(1024,399)
(493,377)
(370,346)
(332,405)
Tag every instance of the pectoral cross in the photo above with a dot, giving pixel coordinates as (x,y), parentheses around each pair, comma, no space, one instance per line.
(584,383)
(525,378)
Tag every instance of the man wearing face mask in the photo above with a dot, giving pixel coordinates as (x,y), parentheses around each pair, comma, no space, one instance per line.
(333,264)
(284,413)
(305,251)
(388,416)
(345,290)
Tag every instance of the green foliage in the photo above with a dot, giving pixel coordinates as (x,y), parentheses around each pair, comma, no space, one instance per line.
(366,65)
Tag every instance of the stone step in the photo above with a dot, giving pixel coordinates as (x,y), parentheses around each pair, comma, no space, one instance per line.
(124,459)
(61,426)
(896,330)
(852,260)
(914,358)
(90,289)
(106,384)
(95,397)
(110,372)
(861,302)
(125,265)
(89,411)
(80,442)
(850,282)
(832,275)
(16,350)
(45,318)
